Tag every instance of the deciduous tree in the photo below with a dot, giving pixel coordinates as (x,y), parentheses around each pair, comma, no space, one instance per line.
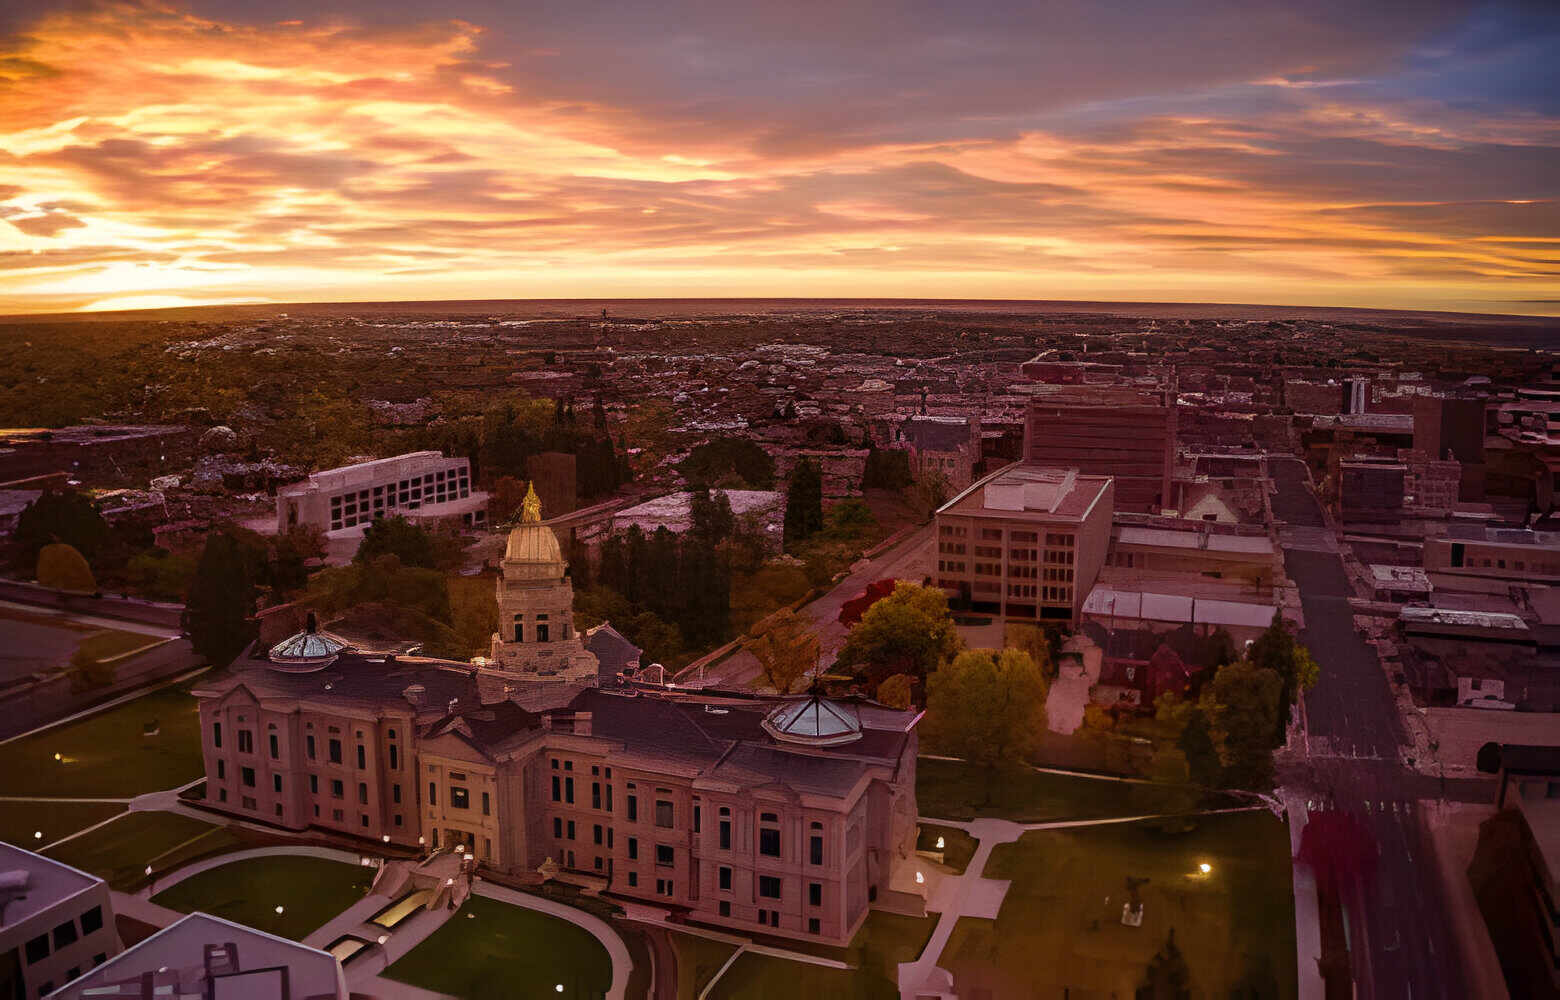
(1243,702)
(907,632)
(986,706)
(221,604)
(786,649)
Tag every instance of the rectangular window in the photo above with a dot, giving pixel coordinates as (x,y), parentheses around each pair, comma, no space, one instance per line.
(276,783)
(37,948)
(595,795)
(596,834)
(216,735)
(433,794)
(337,789)
(395,758)
(557,789)
(314,784)
(221,770)
(362,793)
(665,855)
(276,748)
(335,751)
(815,894)
(64,934)
(725,834)
(633,879)
(769,842)
(308,742)
(362,757)
(460,798)
(395,794)
(487,805)
(633,848)
(248,775)
(769,887)
(557,828)
(246,741)
(725,879)
(571,829)
(663,813)
(633,808)
(814,926)
(815,850)
(696,817)
(92,920)
(568,790)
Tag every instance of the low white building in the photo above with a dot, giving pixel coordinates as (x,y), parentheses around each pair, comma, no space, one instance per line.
(55,923)
(420,485)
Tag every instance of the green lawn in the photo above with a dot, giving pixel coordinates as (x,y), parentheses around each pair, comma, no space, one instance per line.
(109,754)
(958,846)
(1060,924)
(955,790)
(20,820)
(311,892)
(120,851)
(492,949)
(698,959)
(885,940)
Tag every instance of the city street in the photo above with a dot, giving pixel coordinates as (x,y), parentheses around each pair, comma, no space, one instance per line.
(1401,940)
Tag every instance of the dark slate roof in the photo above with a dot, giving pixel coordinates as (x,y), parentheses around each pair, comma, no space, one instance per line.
(937,433)
(356,679)
(612,651)
(485,727)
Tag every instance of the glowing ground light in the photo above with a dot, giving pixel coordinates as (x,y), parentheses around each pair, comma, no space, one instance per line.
(383,938)
(1205,868)
(920,879)
(939,843)
(279,911)
(59,758)
(37,834)
(558,988)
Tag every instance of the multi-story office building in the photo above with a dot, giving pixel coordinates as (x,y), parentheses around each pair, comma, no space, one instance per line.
(1118,431)
(1026,543)
(423,485)
(55,924)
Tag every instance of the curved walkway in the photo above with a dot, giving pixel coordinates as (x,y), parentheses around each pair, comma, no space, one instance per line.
(178,875)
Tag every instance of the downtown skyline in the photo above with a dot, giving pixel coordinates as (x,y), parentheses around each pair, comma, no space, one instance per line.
(1299,153)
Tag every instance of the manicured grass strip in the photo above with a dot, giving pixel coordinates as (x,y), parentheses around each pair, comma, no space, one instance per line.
(885,940)
(311,892)
(492,949)
(698,959)
(120,851)
(958,847)
(956,790)
(1060,924)
(20,820)
(110,754)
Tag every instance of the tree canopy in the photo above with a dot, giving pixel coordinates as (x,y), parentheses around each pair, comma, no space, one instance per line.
(219,611)
(1243,703)
(803,503)
(67,516)
(787,649)
(733,462)
(61,567)
(411,543)
(986,706)
(907,632)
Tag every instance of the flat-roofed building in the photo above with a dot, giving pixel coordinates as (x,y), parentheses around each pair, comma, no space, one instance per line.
(214,959)
(55,923)
(1179,556)
(1478,558)
(1123,432)
(1025,542)
(421,485)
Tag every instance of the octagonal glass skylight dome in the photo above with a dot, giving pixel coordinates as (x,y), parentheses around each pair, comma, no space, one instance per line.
(814,721)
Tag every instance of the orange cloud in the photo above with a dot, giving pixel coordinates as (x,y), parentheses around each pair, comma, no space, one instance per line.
(150,154)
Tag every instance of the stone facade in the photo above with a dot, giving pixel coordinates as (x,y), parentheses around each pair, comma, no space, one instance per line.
(536,637)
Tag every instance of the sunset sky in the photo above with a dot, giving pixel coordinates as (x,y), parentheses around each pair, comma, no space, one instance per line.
(1329,152)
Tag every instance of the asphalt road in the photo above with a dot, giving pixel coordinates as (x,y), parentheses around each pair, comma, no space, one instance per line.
(1401,942)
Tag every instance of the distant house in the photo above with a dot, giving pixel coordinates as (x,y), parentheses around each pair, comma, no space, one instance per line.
(946,446)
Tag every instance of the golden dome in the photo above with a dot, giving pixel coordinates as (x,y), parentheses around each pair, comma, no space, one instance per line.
(532,541)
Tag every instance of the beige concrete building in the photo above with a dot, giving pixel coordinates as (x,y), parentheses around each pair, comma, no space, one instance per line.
(1025,542)
(1492,560)
(422,485)
(56,923)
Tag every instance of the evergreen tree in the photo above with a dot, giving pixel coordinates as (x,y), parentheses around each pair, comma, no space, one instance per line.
(712,519)
(659,585)
(412,544)
(637,578)
(220,608)
(803,503)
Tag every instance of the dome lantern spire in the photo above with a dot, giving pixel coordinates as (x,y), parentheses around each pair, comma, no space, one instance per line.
(531,507)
